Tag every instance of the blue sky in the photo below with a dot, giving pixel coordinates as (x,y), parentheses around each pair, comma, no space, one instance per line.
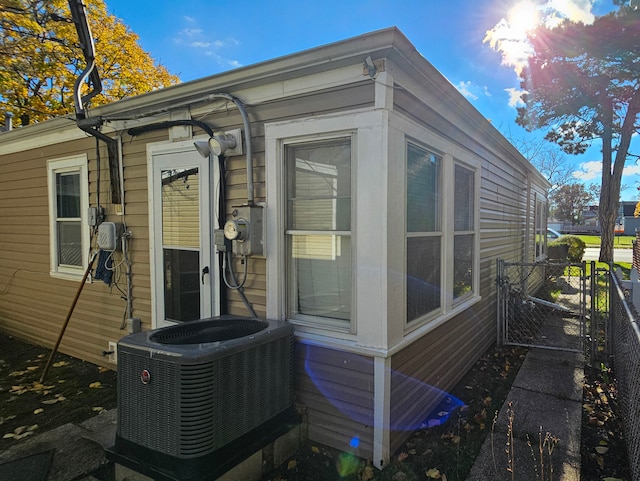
(461,38)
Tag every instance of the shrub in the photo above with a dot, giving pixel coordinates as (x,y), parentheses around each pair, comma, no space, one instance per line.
(575,244)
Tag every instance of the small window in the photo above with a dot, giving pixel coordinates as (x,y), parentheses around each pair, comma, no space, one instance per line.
(68,204)
(318,231)
(424,232)
(463,231)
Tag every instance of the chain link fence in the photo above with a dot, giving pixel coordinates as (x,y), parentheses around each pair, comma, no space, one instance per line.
(625,351)
(542,305)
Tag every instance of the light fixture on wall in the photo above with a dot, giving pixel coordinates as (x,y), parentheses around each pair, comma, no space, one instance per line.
(216,145)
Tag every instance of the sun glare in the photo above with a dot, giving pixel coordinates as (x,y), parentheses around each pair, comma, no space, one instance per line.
(523,17)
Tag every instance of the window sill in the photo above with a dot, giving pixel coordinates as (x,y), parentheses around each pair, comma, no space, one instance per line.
(415,332)
(68,276)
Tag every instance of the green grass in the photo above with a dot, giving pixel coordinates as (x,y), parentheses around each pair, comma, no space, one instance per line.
(625,241)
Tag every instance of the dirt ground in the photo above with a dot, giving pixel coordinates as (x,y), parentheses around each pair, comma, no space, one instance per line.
(72,390)
(447,452)
(75,390)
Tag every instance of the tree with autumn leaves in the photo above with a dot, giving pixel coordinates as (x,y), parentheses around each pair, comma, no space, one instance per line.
(40,59)
(582,83)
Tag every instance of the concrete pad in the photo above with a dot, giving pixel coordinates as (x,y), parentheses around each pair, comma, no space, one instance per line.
(75,455)
(535,413)
(553,378)
(553,356)
(102,428)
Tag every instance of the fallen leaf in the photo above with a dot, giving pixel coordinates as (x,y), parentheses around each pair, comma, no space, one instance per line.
(33,368)
(38,411)
(95,385)
(315,449)
(292,464)
(103,369)
(17,373)
(368,473)
(20,429)
(433,473)
(9,436)
(60,364)
(7,418)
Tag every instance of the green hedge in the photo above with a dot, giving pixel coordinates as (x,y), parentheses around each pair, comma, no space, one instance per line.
(575,244)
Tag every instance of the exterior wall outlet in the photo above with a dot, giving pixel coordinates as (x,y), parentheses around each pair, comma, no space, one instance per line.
(113,349)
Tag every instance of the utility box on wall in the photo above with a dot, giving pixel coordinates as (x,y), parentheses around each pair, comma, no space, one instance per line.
(245,229)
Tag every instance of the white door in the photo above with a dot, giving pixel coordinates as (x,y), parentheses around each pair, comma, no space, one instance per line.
(184,269)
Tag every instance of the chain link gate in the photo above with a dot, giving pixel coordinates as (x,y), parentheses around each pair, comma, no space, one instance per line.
(548,305)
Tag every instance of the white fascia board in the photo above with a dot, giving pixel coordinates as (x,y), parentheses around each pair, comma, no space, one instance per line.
(55,131)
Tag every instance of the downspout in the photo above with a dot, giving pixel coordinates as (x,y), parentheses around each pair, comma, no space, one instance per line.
(91,76)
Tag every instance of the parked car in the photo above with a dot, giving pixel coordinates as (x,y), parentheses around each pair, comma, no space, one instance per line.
(553,234)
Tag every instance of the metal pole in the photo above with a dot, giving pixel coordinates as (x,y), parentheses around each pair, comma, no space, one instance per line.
(66,321)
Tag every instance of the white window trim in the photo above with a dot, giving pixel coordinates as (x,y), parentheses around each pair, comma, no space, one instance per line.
(368,302)
(451,154)
(54,166)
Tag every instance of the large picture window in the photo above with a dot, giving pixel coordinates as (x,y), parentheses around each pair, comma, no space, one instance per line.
(68,204)
(318,231)
(424,231)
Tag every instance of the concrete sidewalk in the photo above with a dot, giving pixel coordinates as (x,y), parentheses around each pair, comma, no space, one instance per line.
(544,405)
(80,448)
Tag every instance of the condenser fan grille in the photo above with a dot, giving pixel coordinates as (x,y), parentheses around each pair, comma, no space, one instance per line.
(188,410)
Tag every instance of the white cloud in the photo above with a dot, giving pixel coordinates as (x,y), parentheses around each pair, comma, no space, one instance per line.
(192,32)
(463,88)
(574,10)
(514,97)
(592,170)
(631,170)
(197,38)
(589,170)
(472,91)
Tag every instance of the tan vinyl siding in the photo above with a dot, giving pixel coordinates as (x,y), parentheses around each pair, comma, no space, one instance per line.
(444,355)
(98,317)
(435,362)
(336,389)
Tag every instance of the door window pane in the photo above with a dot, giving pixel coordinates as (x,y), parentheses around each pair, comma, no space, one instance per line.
(181,285)
(181,242)
(181,207)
